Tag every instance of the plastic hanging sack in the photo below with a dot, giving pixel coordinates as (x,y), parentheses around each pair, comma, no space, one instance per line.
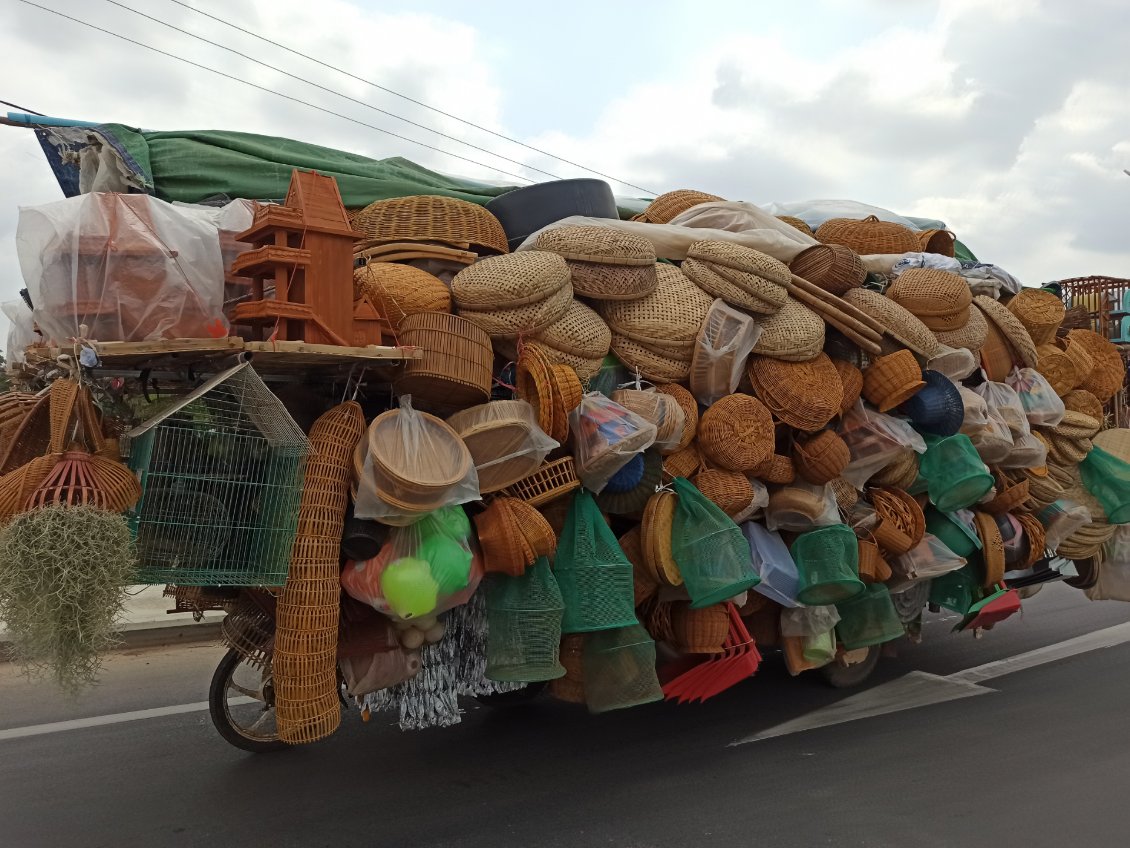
(801,506)
(808,622)
(875,440)
(1061,519)
(1003,401)
(1107,478)
(712,554)
(930,558)
(1027,452)
(1114,573)
(985,428)
(423,569)
(724,343)
(773,564)
(605,437)
(1042,406)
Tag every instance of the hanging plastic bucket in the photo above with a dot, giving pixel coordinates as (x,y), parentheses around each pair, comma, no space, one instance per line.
(827,561)
(960,539)
(956,590)
(869,619)
(956,477)
(524,626)
(1107,478)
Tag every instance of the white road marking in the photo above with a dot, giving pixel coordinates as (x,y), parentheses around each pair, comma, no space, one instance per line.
(919,689)
(102,720)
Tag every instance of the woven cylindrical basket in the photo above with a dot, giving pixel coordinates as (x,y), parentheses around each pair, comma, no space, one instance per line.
(872,567)
(891,379)
(683,462)
(456,368)
(1041,313)
(416,480)
(730,491)
(940,299)
(736,433)
(798,224)
(699,631)
(937,241)
(851,380)
(397,291)
(901,522)
(821,458)
(432,218)
(833,267)
(805,395)
(778,469)
(689,406)
(868,236)
(673,203)
(1057,368)
(1109,373)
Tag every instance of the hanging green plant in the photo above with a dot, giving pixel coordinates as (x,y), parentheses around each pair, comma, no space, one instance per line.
(63,573)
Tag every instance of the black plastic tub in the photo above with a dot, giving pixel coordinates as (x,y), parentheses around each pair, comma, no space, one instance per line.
(527,210)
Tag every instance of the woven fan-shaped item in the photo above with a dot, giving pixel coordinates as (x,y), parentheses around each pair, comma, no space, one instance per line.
(1014,332)
(940,299)
(833,267)
(798,224)
(805,395)
(851,381)
(521,320)
(606,264)
(1057,368)
(937,241)
(650,365)
(821,458)
(892,379)
(868,236)
(456,369)
(509,281)
(1108,373)
(730,491)
(971,335)
(669,317)
(580,332)
(795,333)
(428,217)
(736,433)
(397,291)
(1082,401)
(672,204)
(899,324)
(1041,313)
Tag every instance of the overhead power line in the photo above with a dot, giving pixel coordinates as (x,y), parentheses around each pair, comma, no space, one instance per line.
(387,90)
(273,91)
(23,109)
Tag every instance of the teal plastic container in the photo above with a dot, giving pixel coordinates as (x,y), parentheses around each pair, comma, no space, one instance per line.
(870,619)
(957,590)
(827,561)
(960,539)
(956,477)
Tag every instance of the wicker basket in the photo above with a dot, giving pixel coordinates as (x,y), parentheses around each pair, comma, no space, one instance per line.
(901,522)
(580,332)
(851,380)
(739,275)
(872,567)
(501,438)
(432,218)
(1082,401)
(795,333)
(868,236)
(456,369)
(510,281)
(971,335)
(847,496)
(797,224)
(658,408)
(730,491)
(655,531)
(416,480)
(822,458)
(833,267)
(699,631)
(736,433)
(778,470)
(900,325)
(523,320)
(1022,347)
(996,355)
(689,406)
(1057,368)
(606,264)
(667,320)
(397,291)
(683,463)
(1109,372)
(891,379)
(941,300)
(672,204)
(805,395)
(1011,495)
(937,241)
(1041,313)
(1080,355)
(650,365)
(552,481)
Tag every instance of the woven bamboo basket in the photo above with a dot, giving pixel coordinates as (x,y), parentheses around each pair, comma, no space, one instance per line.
(667,319)
(579,332)
(432,218)
(755,272)
(14,408)
(872,567)
(456,369)
(650,365)
(683,463)
(699,631)
(1079,354)
(937,241)
(655,531)
(534,527)
(778,470)
(971,335)
(847,496)
(1057,368)
(868,236)
(672,204)
(798,224)
(510,281)
(418,479)
(736,433)
(1041,313)
(498,435)
(899,324)
(851,381)
(892,379)
(551,481)
(1082,401)
(1109,373)
(941,300)
(805,395)
(16,487)
(833,267)
(901,522)
(585,368)
(1036,535)
(523,320)
(1021,344)
(606,264)
(34,435)
(795,333)
(397,291)
(505,549)
(1011,495)
(533,381)
(657,408)
(822,458)
(901,473)
(730,491)
(689,406)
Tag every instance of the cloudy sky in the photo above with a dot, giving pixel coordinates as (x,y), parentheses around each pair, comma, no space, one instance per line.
(1008,119)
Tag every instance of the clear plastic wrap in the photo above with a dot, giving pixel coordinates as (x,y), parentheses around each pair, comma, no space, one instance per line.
(1061,520)
(724,343)
(930,558)
(128,267)
(802,506)
(505,441)
(1114,572)
(875,439)
(1003,401)
(987,430)
(1042,406)
(773,564)
(955,363)
(809,622)
(1027,452)
(422,570)
(21,330)
(605,437)
(658,408)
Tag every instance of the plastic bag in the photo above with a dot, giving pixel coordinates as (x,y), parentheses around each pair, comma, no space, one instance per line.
(21,330)
(1107,478)
(930,558)
(875,440)
(802,506)
(955,363)
(1042,406)
(378,671)
(505,441)
(1003,401)
(129,267)
(1114,571)
(1027,452)
(986,429)
(422,570)
(809,622)
(657,408)
(605,437)
(724,343)
(773,564)
(1061,520)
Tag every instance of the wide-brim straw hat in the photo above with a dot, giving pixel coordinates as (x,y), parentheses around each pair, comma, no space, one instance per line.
(1081,400)
(795,333)
(1014,332)
(672,204)
(736,433)
(821,458)
(428,217)
(892,379)
(940,299)
(689,405)
(633,501)
(1041,313)
(606,263)
(397,291)
(1108,373)
(833,267)
(522,320)
(805,395)
(509,281)
(580,332)
(899,324)
(667,320)
(971,336)
(650,365)
(868,236)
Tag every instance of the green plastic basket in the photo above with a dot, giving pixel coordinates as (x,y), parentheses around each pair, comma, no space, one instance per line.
(960,539)
(827,561)
(956,477)
(870,619)
(619,669)
(524,626)
(712,553)
(1107,478)
(594,575)
(956,590)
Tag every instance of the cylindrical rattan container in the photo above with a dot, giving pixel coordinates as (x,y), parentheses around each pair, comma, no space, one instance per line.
(736,433)
(891,379)
(456,368)
(822,458)
(868,236)
(1041,313)
(428,217)
(940,299)
(833,267)
(730,491)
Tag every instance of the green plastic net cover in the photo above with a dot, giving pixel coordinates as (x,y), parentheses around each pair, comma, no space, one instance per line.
(869,619)
(524,626)
(827,562)
(712,554)
(619,669)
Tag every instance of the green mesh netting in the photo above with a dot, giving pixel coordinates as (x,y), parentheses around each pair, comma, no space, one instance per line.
(955,590)
(594,575)
(956,477)
(1108,478)
(869,619)
(827,561)
(712,554)
(524,625)
(619,669)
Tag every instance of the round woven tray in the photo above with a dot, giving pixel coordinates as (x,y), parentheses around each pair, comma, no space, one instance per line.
(580,332)
(1109,373)
(805,395)
(416,479)
(650,365)
(495,430)
(397,291)
(868,236)
(672,204)
(432,218)
(669,318)
(899,324)
(522,320)
(833,267)
(795,333)
(1041,313)
(736,433)
(509,281)
(456,368)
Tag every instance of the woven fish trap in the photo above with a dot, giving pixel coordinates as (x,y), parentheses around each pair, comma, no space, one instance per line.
(940,299)
(795,333)
(666,320)
(303,643)
(892,379)
(736,433)
(805,395)
(797,224)
(456,369)
(1041,313)
(833,267)
(940,242)
(309,720)
(821,458)
(699,631)
(730,491)
(672,204)
(551,481)
(580,332)
(1109,373)
(510,281)
(1082,401)
(851,381)
(1057,368)
(899,324)
(650,365)
(430,217)
(971,336)
(1014,333)
(868,236)
(689,406)
(397,291)
(306,617)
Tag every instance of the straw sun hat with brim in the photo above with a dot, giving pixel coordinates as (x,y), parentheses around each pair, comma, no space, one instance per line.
(1041,313)
(899,324)
(397,291)
(672,204)
(606,264)
(795,333)
(1021,344)
(940,299)
(805,395)
(971,336)
(739,275)
(736,433)
(892,379)
(833,267)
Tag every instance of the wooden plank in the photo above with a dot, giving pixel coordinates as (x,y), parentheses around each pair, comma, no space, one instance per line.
(166,346)
(334,351)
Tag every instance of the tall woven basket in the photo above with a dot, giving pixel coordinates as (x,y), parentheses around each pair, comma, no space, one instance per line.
(455,370)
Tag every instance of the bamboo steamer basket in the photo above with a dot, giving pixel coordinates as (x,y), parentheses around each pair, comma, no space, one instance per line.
(456,368)
(868,236)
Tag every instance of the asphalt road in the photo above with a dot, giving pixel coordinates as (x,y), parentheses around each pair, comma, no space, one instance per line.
(1042,761)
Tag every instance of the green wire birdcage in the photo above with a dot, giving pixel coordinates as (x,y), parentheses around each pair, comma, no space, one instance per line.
(221,475)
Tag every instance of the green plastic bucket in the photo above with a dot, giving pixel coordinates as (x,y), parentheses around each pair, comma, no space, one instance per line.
(960,539)
(869,619)
(956,477)
(827,561)
(956,590)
